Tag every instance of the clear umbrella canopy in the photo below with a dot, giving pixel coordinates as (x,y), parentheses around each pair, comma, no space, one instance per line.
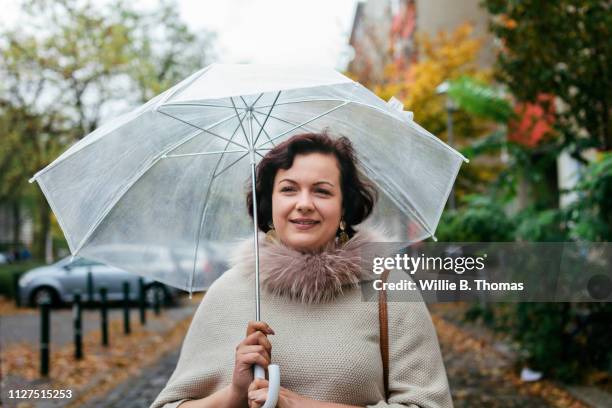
(171,176)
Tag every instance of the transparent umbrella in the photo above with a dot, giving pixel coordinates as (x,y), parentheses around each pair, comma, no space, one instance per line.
(170,176)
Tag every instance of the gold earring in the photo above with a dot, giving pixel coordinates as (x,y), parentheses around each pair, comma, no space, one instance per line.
(343,237)
(271,235)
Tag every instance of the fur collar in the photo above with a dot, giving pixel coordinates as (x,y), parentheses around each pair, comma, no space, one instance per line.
(308,277)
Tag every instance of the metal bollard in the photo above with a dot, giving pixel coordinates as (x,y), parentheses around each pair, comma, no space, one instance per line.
(156,300)
(126,307)
(45,337)
(17,289)
(78,326)
(104,316)
(90,286)
(142,303)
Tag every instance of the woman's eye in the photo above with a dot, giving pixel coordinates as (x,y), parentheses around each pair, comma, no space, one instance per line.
(322,191)
(285,189)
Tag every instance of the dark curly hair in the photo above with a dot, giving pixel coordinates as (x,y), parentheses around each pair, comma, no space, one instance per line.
(358,194)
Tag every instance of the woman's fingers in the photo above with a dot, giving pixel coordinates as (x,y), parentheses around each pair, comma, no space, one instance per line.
(254,358)
(254,326)
(258,383)
(254,349)
(257,338)
(258,393)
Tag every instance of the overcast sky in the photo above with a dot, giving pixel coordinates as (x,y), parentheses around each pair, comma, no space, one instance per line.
(266,31)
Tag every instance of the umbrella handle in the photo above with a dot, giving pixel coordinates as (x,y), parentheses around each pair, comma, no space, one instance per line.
(273,383)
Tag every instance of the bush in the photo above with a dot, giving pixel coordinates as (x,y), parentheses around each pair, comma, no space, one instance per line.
(480,220)
(7,273)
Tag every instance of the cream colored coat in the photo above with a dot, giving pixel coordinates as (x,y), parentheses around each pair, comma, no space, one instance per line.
(327,337)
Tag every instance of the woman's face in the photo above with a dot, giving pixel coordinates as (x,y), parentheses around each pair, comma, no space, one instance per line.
(307,201)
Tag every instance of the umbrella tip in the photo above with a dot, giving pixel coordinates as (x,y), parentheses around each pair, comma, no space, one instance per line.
(434,238)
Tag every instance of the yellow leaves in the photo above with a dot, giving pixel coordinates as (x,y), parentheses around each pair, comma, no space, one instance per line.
(443,57)
(447,56)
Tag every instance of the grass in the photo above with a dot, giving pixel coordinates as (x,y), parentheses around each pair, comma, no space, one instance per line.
(8,271)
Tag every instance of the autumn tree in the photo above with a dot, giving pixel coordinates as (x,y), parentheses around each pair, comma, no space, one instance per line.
(560,48)
(444,57)
(70,64)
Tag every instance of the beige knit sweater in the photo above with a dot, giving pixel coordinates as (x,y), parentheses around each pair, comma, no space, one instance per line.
(327,337)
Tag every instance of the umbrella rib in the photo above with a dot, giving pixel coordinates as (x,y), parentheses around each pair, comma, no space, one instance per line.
(266,119)
(208,105)
(241,126)
(246,105)
(202,129)
(306,100)
(261,128)
(306,122)
(413,211)
(172,156)
(137,177)
(229,165)
(205,209)
(411,123)
(283,120)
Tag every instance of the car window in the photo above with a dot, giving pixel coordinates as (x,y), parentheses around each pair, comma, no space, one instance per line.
(81,262)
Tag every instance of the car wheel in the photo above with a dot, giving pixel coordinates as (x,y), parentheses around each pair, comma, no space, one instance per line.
(152,291)
(44,294)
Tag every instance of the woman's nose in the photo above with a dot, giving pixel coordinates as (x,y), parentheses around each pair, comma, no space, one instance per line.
(304,202)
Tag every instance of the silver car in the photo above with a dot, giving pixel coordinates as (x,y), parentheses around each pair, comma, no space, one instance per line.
(57,283)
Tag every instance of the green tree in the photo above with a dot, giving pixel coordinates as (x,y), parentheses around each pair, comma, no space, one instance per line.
(70,64)
(561,48)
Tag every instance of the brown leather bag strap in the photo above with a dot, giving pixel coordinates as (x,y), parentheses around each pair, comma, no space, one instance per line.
(384,332)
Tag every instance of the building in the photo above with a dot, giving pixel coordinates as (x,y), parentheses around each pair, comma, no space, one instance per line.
(369,39)
(385,31)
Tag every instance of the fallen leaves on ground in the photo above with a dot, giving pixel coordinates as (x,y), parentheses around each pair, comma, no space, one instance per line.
(101,368)
(494,366)
(7,307)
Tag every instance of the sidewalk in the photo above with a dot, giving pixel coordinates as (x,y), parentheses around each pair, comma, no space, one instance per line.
(102,368)
(141,391)
(481,370)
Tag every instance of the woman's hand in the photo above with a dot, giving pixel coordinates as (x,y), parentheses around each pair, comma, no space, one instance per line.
(258,392)
(254,349)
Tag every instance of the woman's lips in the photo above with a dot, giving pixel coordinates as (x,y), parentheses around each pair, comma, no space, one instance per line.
(303,225)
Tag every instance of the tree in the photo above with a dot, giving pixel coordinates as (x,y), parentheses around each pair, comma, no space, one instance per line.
(560,48)
(446,57)
(552,59)
(69,65)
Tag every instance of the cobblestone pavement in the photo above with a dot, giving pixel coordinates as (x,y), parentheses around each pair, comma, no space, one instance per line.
(28,331)
(142,391)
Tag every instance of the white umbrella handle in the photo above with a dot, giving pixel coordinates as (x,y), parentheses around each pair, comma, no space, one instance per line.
(273,383)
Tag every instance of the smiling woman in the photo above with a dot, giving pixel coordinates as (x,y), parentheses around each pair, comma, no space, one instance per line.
(310,199)
(309,191)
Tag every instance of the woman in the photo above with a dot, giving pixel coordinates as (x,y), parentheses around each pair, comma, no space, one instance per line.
(323,336)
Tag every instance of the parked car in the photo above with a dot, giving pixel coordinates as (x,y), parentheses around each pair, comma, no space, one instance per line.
(57,283)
